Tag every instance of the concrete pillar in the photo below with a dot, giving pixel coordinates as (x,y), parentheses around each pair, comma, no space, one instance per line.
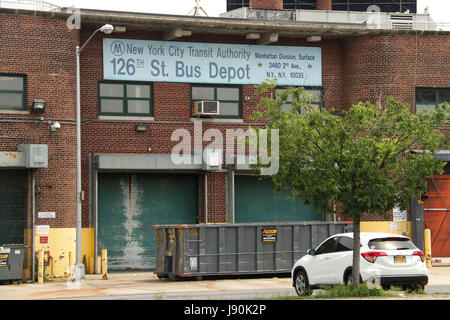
(267,4)
(324,4)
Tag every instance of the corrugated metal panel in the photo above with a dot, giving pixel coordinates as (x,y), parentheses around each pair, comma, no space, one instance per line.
(436,215)
(130,204)
(13,206)
(256,201)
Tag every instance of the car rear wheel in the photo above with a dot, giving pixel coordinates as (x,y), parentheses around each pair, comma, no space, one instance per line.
(349,278)
(301,284)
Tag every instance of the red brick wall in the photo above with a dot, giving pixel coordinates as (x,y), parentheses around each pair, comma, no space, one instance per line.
(43,49)
(383,66)
(267,4)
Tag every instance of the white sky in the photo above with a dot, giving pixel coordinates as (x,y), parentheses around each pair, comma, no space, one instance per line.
(439,9)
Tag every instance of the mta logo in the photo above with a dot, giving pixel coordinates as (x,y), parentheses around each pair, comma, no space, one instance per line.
(117,48)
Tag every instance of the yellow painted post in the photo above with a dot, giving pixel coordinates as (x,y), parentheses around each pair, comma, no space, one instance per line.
(99,265)
(104,264)
(70,263)
(427,246)
(41,266)
(91,265)
(52,265)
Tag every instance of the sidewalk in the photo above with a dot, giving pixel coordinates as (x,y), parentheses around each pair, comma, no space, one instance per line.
(146,283)
(136,283)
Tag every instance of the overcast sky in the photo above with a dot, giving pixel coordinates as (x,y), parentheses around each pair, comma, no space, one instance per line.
(438,9)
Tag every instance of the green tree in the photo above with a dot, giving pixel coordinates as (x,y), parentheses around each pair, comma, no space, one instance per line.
(361,159)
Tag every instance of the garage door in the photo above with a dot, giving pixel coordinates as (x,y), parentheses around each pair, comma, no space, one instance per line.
(436,215)
(13,206)
(130,204)
(256,201)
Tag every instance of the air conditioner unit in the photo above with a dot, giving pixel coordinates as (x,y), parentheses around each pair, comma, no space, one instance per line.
(205,108)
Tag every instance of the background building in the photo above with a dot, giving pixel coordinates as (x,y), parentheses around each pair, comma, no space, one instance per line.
(341,5)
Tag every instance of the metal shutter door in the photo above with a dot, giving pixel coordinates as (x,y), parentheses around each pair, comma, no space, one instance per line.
(130,204)
(13,206)
(255,201)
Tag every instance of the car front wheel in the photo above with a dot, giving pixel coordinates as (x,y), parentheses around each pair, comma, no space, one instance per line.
(301,284)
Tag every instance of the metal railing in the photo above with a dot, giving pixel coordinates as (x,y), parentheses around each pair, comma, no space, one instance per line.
(34,5)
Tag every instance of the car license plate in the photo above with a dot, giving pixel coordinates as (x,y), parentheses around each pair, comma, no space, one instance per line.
(399,259)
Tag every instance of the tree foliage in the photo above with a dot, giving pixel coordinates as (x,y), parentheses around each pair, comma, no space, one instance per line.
(365,159)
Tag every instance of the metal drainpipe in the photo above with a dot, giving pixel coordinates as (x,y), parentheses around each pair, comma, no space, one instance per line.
(206,198)
(33,212)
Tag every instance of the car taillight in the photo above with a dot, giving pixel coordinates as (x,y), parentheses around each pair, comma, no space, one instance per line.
(420,254)
(372,256)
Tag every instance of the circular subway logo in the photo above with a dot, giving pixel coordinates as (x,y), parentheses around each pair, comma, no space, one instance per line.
(117,48)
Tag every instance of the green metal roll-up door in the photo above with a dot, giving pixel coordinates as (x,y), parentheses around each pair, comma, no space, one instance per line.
(256,201)
(13,206)
(130,204)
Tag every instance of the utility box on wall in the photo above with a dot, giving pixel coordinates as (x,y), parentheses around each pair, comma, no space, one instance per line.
(36,155)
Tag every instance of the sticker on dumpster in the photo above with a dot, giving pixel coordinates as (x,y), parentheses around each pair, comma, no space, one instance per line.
(3,260)
(269,234)
(193,263)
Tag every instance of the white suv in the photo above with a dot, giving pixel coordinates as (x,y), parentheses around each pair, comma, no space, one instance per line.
(386,259)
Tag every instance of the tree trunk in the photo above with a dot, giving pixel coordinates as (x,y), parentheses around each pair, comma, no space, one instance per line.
(356,252)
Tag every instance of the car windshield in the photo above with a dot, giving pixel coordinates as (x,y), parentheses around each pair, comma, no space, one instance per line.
(391,244)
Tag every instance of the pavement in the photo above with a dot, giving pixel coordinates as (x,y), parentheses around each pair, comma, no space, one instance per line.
(145,285)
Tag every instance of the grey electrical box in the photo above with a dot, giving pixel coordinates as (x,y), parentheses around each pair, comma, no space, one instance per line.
(36,155)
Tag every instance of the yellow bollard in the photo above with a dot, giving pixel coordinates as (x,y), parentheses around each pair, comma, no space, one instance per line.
(99,265)
(41,266)
(427,246)
(52,265)
(91,265)
(104,264)
(70,264)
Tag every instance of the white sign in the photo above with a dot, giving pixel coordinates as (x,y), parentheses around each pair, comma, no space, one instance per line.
(46,215)
(42,229)
(168,61)
(393,226)
(399,215)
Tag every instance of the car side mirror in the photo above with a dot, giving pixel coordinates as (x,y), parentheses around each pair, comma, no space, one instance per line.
(311,252)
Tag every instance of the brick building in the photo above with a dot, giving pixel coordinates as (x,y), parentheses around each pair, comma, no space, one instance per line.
(133,106)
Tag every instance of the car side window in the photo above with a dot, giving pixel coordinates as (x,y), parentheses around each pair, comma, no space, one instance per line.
(328,246)
(344,244)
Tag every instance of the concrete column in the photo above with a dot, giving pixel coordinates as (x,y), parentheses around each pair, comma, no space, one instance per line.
(417,222)
(324,4)
(267,4)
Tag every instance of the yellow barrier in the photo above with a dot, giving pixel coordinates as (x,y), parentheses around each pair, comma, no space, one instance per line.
(104,264)
(427,246)
(41,266)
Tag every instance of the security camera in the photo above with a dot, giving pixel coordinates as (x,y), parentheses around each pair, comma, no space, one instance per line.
(55,126)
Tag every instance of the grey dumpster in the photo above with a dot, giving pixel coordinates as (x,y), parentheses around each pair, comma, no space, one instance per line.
(234,249)
(11,262)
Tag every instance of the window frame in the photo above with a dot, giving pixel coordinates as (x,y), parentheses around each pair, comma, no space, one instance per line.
(125,99)
(436,96)
(23,92)
(239,87)
(335,240)
(306,88)
(339,244)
